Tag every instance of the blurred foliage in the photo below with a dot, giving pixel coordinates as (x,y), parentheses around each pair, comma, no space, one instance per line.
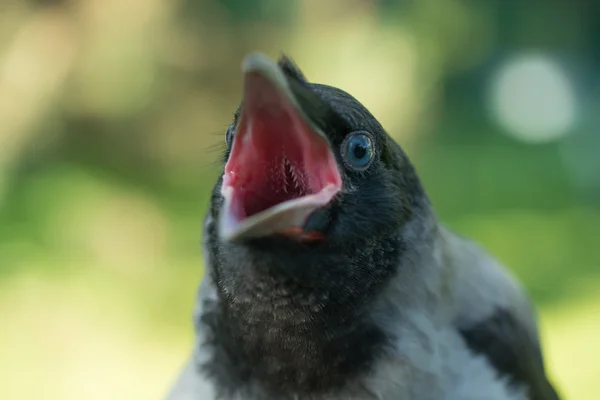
(112,114)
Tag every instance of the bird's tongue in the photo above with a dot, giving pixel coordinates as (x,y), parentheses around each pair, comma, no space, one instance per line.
(280,169)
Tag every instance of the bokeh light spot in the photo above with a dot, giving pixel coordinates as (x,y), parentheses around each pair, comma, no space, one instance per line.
(533,99)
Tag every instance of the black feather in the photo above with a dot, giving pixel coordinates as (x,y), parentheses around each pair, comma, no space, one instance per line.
(512,351)
(290,68)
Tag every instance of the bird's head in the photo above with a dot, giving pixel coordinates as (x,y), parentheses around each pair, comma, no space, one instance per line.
(308,162)
(310,178)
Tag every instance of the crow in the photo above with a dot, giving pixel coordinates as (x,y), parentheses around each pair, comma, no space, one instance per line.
(329,276)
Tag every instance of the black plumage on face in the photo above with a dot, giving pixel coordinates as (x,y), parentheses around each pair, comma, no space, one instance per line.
(296,286)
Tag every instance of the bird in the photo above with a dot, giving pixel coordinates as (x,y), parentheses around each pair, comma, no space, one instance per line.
(328,274)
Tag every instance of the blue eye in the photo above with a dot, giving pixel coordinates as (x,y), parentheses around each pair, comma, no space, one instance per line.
(357,150)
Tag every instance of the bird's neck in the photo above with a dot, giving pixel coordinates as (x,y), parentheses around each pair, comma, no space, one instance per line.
(297,322)
(292,342)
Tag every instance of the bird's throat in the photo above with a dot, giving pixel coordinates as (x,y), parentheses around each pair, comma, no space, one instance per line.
(271,326)
(287,347)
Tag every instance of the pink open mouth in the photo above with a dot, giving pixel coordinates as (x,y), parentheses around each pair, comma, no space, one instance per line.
(281,168)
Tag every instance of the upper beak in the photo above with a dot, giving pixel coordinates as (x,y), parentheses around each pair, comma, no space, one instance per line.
(281,167)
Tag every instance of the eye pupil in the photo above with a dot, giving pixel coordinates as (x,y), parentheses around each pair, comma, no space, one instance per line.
(357,150)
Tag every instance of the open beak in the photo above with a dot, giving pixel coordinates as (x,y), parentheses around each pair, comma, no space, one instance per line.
(281,167)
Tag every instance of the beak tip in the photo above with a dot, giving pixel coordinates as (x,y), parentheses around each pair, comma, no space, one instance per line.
(257,61)
(261,64)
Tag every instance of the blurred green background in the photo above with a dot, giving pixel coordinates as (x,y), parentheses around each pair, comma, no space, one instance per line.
(110,111)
